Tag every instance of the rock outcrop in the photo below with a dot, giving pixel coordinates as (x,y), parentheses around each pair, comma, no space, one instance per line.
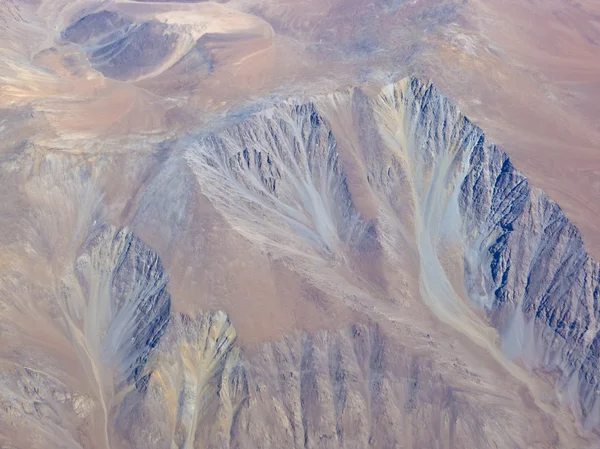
(525,263)
(528,265)
(197,381)
(448,267)
(351,388)
(282,164)
(438,180)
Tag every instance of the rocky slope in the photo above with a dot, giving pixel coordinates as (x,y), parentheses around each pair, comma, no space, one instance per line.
(524,263)
(453,296)
(109,311)
(355,387)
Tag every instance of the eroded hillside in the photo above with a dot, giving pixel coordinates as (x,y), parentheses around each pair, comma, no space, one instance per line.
(229,224)
(436,298)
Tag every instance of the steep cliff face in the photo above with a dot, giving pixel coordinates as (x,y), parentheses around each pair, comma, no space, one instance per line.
(282,165)
(526,262)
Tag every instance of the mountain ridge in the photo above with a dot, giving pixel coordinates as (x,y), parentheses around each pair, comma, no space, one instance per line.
(399,223)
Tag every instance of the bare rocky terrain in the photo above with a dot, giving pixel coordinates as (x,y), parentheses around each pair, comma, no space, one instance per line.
(277,224)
